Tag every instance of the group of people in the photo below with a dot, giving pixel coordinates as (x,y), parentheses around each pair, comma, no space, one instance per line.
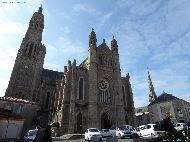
(172,133)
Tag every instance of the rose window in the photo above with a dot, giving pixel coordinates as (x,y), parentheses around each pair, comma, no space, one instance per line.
(104,95)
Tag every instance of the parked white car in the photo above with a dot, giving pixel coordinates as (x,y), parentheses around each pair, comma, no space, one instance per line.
(92,132)
(105,133)
(121,132)
(179,126)
(113,131)
(128,127)
(150,130)
(137,131)
(30,135)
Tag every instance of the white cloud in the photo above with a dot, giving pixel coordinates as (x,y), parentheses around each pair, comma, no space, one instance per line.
(7,58)
(140,100)
(68,46)
(11,27)
(3,86)
(83,8)
(104,18)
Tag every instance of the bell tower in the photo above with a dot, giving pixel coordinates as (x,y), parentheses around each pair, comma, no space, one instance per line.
(29,62)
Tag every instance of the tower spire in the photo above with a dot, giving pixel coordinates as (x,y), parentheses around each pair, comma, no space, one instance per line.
(114,46)
(40,9)
(92,38)
(152,94)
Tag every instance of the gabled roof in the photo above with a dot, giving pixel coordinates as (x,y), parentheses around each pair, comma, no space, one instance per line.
(164,97)
(103,48)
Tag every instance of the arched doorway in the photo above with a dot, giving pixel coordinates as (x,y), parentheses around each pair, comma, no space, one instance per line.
(79,122)
(126,120)
(105,121)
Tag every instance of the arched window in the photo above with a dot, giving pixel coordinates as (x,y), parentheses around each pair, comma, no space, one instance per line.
(104,95)
(47,100)
(30,50)
(123,92)
(100,60)
(34,53)
(79,122)
(81,89)
(20,95)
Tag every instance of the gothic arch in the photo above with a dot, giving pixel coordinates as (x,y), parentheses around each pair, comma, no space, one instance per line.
(126,119)
(47,100)
(81,88)
(79,122)
(105,121)
(30,49)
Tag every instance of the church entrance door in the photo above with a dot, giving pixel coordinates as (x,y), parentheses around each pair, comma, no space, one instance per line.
(126,120)
(79,122)
(105,121)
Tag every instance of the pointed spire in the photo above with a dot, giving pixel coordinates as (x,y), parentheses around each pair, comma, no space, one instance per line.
(104,41)
(40,9)
(152,94)
(74,63)
(92,38)
(114,45)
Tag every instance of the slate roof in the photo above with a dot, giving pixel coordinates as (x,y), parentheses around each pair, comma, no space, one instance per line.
(164,97)
(51,73)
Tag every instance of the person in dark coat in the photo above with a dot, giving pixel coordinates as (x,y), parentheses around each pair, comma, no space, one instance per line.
(47,135)
(167,125)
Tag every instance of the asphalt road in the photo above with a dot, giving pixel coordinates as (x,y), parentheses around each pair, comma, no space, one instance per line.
(82,140)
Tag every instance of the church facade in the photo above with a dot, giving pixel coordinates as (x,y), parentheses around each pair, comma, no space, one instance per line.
(92,94)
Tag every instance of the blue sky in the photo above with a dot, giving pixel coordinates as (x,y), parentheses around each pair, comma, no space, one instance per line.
(154,34)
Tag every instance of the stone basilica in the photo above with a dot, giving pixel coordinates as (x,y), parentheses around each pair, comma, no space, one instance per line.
(92,94)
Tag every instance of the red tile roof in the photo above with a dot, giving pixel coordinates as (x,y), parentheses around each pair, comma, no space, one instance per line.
(17,100)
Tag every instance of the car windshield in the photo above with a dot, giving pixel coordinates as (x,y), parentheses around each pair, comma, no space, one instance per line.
(143,127)
(93,130)
(32,132)
(105,130)
(156,128)
(113,128)
(122,128)
(136,129)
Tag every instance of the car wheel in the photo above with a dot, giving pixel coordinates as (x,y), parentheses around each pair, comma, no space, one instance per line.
(152,134)
(119,136)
